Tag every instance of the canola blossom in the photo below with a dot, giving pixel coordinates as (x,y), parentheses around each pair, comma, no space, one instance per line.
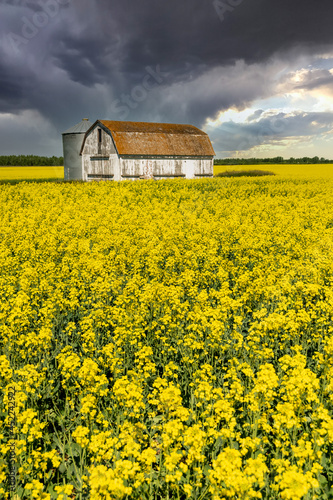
(167,340)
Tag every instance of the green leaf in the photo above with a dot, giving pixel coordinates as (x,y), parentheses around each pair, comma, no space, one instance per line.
(62,467)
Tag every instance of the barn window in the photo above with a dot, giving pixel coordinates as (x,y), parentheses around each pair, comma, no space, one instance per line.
(99,176)
(99,141)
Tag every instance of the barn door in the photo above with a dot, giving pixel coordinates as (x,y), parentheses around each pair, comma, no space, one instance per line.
(190,169)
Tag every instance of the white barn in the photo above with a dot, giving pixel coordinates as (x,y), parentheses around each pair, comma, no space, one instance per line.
(115,150)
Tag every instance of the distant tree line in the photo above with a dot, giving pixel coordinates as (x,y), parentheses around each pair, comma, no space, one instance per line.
(56,161)
(31,160)
(277,159)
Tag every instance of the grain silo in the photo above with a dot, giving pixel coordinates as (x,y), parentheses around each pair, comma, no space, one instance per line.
(72,141)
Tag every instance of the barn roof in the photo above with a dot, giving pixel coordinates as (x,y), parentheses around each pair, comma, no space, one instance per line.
(158,139)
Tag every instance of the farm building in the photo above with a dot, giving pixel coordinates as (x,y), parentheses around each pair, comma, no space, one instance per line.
(72,141)
(116,150)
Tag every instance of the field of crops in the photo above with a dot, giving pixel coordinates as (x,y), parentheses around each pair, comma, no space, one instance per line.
(290,171)
(31,173)
(295,171)
(167,340)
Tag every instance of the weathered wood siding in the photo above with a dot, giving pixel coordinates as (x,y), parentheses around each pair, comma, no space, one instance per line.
(165,167)
(100,161)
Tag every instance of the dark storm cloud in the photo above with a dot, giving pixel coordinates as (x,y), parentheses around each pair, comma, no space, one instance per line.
(68,58)
(270,128)
(315,79)
(191,30)
(118,39)
(212,91)
(12,97)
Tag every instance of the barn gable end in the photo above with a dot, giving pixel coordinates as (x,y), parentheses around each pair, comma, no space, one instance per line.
(100,160)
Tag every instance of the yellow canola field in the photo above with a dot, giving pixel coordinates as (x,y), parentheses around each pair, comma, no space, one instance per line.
(28,173)
(291,171)
(167,340)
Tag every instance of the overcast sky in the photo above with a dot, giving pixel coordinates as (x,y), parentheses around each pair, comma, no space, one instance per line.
(257,75)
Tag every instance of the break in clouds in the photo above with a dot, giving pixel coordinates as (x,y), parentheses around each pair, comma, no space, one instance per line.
(210,63)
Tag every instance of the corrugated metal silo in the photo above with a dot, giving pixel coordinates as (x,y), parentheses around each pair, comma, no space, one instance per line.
(72,141)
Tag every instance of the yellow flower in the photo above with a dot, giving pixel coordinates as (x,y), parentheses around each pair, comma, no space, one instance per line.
(64,491)
(80,435)
(293,484)
(36,489)
(230,478)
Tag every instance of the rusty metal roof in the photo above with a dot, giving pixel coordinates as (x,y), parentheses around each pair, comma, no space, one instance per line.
(158,139)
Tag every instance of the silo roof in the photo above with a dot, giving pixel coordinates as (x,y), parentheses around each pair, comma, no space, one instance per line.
(158,139)
(79,128)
